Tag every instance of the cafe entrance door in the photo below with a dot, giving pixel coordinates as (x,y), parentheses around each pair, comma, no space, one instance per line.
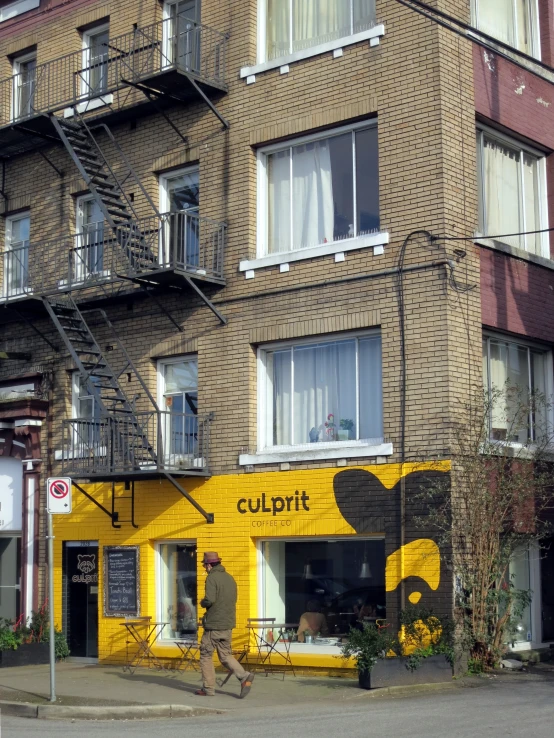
(80,597)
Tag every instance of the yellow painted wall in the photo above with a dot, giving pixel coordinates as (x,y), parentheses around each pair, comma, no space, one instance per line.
(162,514)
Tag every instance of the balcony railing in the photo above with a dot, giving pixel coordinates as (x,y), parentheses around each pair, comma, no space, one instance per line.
(148,443)
(175,242)
(172,44)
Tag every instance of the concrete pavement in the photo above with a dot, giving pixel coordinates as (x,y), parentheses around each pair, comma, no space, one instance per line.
(513,706)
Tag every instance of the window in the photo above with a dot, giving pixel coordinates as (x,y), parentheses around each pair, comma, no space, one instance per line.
(343,581)
(512,192)
(178,391)
(16,256)
(20,6)
(182,34)
(180,198)
(294,25)
(24,84)
(319,190)
(89,246)
(514,22)
(321,392)
(177,599)
(519,577)
(513,372)
(94,76)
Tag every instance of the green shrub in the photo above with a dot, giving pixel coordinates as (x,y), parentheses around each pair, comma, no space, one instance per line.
(367,644)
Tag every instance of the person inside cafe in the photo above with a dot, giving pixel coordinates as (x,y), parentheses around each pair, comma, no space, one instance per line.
(312,622)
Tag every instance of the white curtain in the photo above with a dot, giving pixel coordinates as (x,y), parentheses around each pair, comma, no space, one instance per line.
(371,391)
(509,369)
(531,199)
(324,384)
(279,367)
(496,18)
(502,191)
(317,21)
(279,202)
(364,14)
(523,41)
(312,195)
(278,28)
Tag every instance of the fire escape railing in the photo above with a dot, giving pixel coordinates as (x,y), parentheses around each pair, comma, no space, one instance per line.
(181,242)
(100,447)
(181,45)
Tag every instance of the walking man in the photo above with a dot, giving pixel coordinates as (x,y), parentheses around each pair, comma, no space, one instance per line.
(219,620)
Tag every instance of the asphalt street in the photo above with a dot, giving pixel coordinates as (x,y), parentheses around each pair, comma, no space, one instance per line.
(503,708)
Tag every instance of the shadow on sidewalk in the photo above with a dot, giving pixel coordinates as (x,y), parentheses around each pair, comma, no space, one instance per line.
(169,681)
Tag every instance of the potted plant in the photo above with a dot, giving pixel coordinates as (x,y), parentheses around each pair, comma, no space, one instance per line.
(346,426)
(23,644)
(366,645)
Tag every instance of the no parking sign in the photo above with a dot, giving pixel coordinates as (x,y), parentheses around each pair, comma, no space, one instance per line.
(58,493)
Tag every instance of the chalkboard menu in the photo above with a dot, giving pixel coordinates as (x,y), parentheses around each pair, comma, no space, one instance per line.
(121,581)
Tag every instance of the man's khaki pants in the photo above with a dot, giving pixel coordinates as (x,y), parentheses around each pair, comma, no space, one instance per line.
(220,641)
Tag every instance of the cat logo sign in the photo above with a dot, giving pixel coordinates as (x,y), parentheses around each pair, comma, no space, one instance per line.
(58,495)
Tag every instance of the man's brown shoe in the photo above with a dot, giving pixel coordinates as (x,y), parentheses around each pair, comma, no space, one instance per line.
(203,693)
(246,685)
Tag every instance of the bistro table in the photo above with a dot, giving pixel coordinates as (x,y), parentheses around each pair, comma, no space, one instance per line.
(266,646)
(190,651)
(143,633)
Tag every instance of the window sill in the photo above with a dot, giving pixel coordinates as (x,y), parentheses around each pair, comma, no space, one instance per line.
(518,253)
(513,54)
(88,105)
(91,279)
(318,451)
(371,33)
(371,240)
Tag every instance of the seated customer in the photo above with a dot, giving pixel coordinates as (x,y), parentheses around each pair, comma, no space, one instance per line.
(312,621)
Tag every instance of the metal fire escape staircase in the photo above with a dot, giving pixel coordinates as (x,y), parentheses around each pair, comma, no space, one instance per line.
(129,444)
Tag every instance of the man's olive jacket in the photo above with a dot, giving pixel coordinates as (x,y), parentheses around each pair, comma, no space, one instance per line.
(220,600)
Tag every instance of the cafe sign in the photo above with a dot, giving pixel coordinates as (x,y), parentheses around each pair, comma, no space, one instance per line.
(276,505)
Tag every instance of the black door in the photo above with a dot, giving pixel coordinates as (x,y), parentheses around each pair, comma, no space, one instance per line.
(80,582)
(547,590)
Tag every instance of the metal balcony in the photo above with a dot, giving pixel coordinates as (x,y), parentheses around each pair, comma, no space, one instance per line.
(159,251)
(148,445)
(176,58)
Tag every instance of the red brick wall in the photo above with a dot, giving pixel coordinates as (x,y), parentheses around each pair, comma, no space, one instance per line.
(517,296)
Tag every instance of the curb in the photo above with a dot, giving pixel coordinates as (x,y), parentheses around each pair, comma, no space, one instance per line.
(99,712)
(414,688)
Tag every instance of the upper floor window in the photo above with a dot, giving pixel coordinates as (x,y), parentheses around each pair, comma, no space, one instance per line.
(318,190)
(94,76)
(178,399)
(182,34)
(180,200)
(321,391)
(515,372)
(16,8)
(16,256)
(89,246)
(515,22)
(512,188)
(24,82)
(295,25)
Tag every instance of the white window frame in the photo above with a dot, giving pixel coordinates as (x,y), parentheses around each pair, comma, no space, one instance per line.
(164,181)
(16,69)
(10,220)
(267,454)
(483,131)
(96,102)
(534,22)
(168,61)
(263,257)
(81,273)
(549,370)
(160,390)
(169,642)
(371,34)
(302,648)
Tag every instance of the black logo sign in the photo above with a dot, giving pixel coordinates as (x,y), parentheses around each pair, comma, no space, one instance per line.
(289,503)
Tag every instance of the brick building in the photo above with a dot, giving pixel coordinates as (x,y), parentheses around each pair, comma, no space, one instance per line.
(205,326)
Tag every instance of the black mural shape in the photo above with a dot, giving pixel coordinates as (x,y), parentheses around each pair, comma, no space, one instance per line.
(366,504)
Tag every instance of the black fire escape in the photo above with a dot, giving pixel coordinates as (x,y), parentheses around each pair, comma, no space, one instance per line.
(147,70)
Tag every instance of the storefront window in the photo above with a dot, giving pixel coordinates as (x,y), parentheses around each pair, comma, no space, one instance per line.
(343,580)
(177,590)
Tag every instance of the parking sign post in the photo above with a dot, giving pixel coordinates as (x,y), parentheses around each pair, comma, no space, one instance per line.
(58,496)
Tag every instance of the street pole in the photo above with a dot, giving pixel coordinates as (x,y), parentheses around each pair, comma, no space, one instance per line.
(51,609)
